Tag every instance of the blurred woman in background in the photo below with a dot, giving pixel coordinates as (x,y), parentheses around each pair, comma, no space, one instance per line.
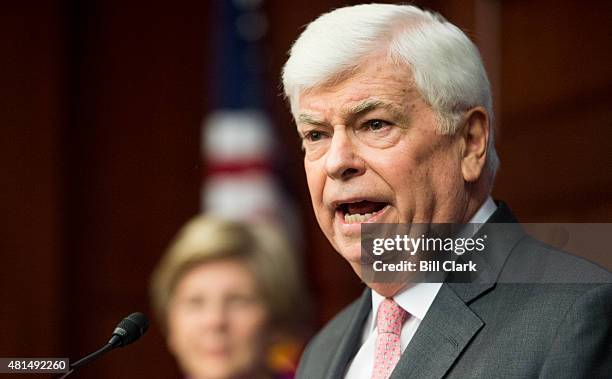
(227,295)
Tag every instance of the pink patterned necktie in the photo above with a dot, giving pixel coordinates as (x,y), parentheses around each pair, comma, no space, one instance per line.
(388,350)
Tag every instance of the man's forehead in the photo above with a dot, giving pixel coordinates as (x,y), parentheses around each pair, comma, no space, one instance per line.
(361,92)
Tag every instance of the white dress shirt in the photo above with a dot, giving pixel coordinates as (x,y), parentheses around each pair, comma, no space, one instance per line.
(415,299)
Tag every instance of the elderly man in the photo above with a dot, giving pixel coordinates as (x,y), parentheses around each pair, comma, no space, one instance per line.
(393,106)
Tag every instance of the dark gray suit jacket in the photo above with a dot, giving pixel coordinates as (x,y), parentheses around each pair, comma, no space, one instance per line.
(494,329)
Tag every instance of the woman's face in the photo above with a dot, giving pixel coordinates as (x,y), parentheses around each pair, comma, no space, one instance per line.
(217,321)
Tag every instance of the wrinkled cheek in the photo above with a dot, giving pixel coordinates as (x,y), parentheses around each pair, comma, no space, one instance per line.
(310,170)
(315,188)
(447,174)
(415,193)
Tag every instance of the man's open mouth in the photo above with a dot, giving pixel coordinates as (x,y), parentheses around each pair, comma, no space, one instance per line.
(360,211)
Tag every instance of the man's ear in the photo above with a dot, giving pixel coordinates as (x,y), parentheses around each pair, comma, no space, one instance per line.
(475,136)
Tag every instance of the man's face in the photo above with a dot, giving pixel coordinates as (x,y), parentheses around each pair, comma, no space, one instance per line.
(373,154)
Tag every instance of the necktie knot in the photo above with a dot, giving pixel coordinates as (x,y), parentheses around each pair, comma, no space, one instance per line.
(390,317)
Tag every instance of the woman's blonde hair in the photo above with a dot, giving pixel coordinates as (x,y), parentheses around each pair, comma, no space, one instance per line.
(262,247)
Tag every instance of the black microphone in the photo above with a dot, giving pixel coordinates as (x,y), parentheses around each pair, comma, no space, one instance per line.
(127,331)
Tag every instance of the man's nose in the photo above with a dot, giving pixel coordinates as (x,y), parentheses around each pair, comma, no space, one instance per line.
(343,161)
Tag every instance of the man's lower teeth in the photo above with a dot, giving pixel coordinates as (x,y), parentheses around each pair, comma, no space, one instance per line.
(357,217)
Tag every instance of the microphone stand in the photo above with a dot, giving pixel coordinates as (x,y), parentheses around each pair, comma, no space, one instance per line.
(73,366)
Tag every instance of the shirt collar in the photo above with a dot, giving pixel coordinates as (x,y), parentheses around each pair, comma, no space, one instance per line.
(484,212)
(414,299)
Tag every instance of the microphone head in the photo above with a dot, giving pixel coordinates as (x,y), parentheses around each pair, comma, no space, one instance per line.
(129,329)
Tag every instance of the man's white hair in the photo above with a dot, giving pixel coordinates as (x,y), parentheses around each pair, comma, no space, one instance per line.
(446,65)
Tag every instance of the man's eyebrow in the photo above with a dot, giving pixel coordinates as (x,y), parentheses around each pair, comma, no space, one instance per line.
(367,105)
(307,118)
(354,111)
(371,104)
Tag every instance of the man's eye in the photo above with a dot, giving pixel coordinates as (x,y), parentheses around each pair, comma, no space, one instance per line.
(313,135)
(375,124)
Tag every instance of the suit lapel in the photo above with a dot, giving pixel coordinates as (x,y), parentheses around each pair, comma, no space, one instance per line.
(450,324)
(351,340)
(443,334)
